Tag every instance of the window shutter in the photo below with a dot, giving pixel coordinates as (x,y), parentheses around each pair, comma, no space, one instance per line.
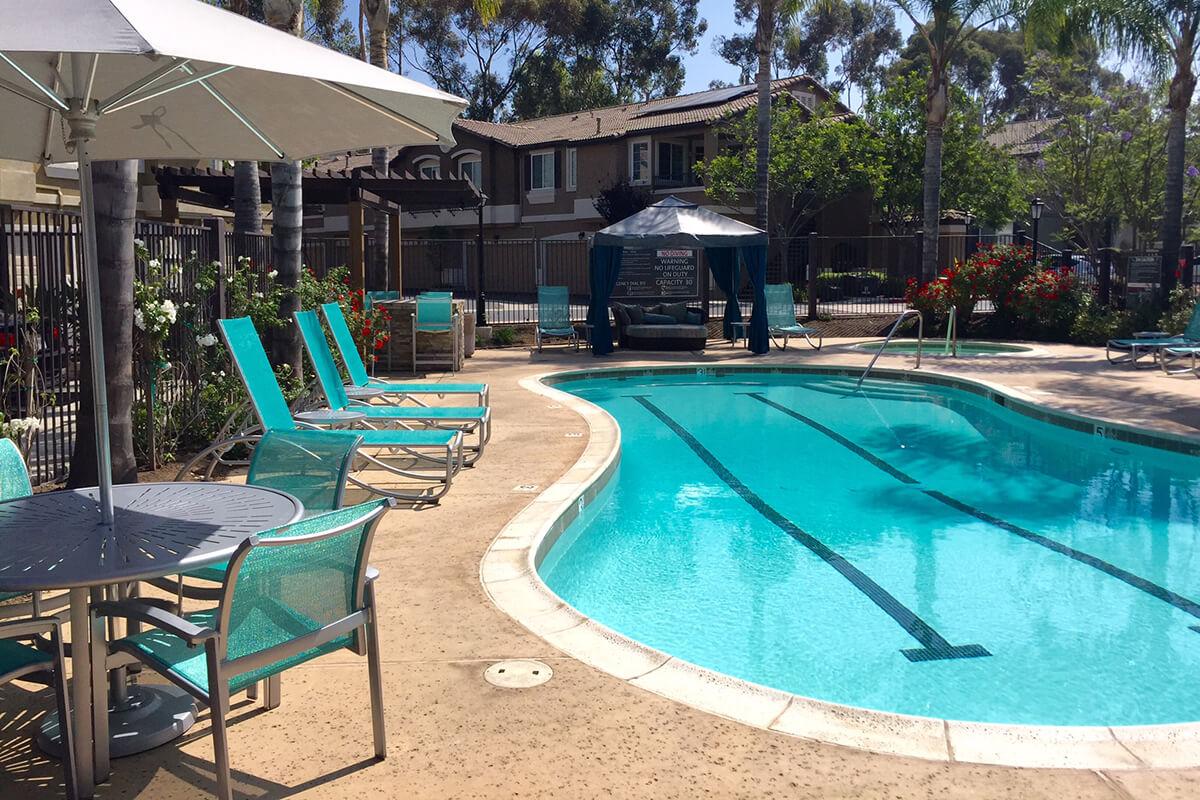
(558,171)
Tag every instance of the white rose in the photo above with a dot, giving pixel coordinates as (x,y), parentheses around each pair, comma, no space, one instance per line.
(138,319)
(139,243)
(207,340)
(154,263)
(273,274)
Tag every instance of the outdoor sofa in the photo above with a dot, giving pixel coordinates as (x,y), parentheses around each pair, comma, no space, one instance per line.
(665,326)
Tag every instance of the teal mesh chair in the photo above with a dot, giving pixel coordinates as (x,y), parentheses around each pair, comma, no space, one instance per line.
(433,316)
(441,448)
(781,317)
(468,419)
(365,385)
(31,662)
(554,316)
(14,483)
(288,597)
(371,298)
(1129,351)
(437,295)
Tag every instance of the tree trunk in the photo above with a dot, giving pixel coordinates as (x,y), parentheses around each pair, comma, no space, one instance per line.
(936,108)
(764,40)
(377,20)
(287,204)
(1183,85)
(116,206)
(247,205)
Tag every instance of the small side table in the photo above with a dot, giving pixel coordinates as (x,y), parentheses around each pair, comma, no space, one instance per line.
(587,333)
(741,330)
(362,392)
(328,417)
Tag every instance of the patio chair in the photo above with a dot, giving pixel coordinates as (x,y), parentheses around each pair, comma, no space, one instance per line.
(14,483)
(554,316)
(468,419)
(30,662)
(1128,351)
(289,596)
(781,317)
(363,385)
(371,298)
(437,295)
(433,316)
(442,448)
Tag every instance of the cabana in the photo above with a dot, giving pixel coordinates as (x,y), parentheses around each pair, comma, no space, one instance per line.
(677,223)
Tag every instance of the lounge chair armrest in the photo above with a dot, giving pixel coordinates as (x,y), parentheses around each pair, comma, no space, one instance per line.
(372,574)
(151,614)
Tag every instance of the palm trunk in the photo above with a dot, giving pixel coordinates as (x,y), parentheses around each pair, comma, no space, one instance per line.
(936,107)
(287,203)
(377,20)
(247,205)
(764,38)
(1183,85)
(116,205)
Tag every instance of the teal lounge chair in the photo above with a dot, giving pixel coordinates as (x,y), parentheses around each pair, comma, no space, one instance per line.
(14,483)
(443,448)
(289,596)
(1191,352)
(1128,351)
(468,419)
(554,316)
(363,385)
(781,317)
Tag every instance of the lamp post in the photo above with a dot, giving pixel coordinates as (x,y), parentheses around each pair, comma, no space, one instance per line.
(1035,214)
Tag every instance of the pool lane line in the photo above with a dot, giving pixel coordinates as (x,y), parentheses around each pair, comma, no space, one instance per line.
(1112,570)
(934,647)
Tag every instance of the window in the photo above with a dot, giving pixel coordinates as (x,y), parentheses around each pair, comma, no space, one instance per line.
(671,158)
(572,175)
(806,99)
(541,170)
(639,161)
(471,168)
(430,168)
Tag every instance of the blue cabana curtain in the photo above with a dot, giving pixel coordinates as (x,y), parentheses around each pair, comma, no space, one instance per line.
(723,264)
(602,277)
(755,258)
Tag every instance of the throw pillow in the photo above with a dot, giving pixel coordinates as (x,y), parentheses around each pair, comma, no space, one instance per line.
(694,318)
(635,314)
(657,319)
(620,311)
(677,311)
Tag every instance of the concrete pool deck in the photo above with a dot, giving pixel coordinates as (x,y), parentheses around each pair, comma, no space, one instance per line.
(585,733)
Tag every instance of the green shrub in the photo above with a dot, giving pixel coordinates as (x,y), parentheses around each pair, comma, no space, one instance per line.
(1095,324)
(1179,310)
(850,284)
(504,337)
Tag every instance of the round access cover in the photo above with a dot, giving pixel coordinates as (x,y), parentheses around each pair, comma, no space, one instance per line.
(518,674)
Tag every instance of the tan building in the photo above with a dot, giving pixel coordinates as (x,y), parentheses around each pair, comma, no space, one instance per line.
(541,176)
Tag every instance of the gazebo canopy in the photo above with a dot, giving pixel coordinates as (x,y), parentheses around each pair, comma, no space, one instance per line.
(672,222)
(677,223)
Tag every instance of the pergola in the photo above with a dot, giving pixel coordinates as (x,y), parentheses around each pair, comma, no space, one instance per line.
(358,189)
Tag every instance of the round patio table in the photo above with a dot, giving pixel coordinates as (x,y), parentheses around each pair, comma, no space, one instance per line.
(55,540)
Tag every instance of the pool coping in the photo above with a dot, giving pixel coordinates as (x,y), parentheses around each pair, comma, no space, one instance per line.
(931,349)
(509,576)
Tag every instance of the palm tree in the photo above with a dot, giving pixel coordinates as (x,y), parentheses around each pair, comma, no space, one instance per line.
(287,204)
(115,190)
(247,194)
(945,26)
(377,13)
(1166,35)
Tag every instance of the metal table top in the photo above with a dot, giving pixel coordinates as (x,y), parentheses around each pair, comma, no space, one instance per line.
(55,540)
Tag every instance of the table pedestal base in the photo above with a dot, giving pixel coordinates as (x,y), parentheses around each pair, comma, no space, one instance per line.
(153,716)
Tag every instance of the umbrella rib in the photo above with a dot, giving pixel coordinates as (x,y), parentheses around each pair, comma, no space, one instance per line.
(26,94)
(149,80)
(132,101)
(387,112)
(239,116)
(54,98)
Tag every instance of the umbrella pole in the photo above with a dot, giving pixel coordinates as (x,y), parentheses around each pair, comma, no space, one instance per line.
(83,126)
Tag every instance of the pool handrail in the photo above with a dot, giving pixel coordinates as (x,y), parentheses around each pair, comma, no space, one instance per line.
(895,327)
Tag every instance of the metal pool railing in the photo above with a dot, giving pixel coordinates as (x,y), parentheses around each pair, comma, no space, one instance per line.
(920,341)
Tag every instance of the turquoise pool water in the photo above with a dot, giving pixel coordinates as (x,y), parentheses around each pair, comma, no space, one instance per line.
(912,549)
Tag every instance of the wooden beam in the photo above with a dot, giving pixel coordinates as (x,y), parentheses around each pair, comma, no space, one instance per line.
(354,210)
(395,272)
(170,209)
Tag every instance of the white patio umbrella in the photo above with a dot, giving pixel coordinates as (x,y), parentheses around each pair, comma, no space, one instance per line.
(91,80)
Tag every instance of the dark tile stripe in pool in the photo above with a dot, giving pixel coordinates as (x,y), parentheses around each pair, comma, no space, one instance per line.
(934,646)
(1136,581)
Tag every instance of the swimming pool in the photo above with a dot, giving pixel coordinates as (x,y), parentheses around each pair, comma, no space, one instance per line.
(914,549)
(937,347)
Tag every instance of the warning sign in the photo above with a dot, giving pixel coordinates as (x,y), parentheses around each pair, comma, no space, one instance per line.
(667,273)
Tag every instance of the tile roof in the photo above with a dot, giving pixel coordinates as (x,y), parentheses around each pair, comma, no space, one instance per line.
(631,118)
(1025,138)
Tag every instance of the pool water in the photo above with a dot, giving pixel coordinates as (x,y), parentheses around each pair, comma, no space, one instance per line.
(910,548)
(937,347)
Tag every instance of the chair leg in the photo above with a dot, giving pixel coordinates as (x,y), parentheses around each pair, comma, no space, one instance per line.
(218,705)
(273,695)
(375,674)
(74,791)
(252,691)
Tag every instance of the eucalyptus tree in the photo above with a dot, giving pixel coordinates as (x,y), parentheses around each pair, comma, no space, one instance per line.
(1165,34)
(377,13)
(287,204)
(946,27)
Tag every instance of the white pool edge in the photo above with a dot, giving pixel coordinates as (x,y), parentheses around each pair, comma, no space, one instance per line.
(508,573)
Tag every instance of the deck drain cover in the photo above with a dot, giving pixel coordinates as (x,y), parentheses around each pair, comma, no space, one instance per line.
(520,674)
(525,487)
(574,435)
